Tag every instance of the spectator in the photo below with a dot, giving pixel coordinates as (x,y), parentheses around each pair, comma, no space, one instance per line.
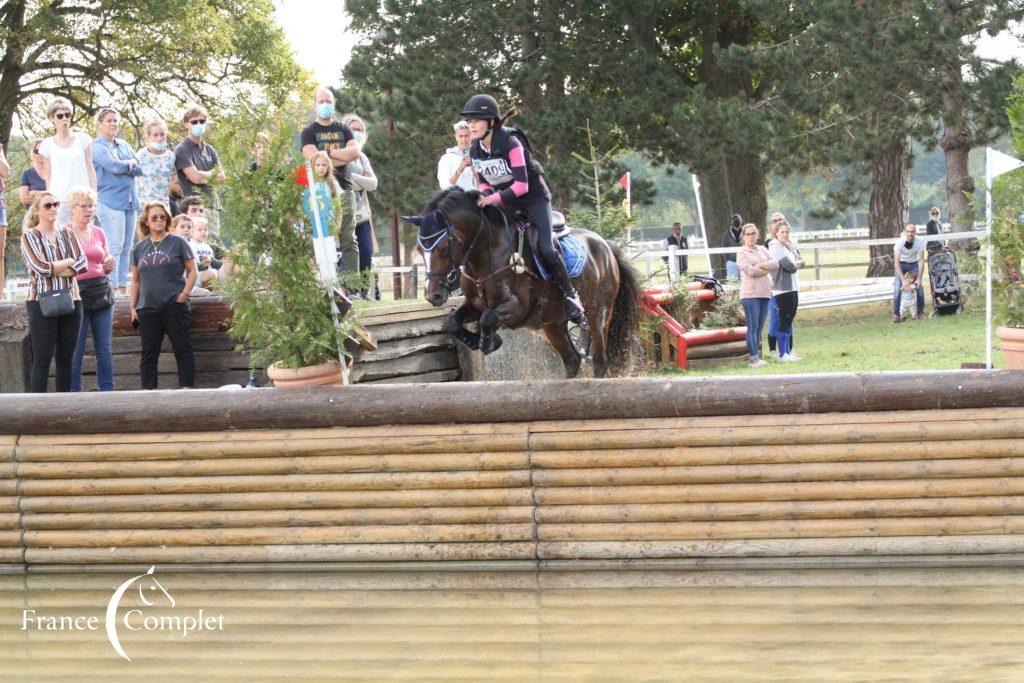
(908,254)
(324,134)
(455,167)
(118,205)
(95,289)
(785,287)
(67,157)
(193,206)
(934,227)
(773,308)
(53,257)
(5,172)
(732,238)
(678,240)
(32,183)
(198,164)
(159,179)
(181,226)
(163,274)
(363,182)
(754,263)
(209,266)
(260,150)
(908,295)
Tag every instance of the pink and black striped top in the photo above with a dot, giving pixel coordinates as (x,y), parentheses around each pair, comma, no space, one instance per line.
(39,253)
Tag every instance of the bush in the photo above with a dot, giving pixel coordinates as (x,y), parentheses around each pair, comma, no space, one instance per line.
(727,311)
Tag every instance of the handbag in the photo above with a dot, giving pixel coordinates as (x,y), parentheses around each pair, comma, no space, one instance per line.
(56,302)
(97,294)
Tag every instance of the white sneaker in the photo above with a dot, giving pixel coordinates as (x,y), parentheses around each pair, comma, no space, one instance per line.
(788,358)
(757,363)
(773,354)
(794,356)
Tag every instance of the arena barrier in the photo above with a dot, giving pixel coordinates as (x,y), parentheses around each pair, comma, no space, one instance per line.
(834,469)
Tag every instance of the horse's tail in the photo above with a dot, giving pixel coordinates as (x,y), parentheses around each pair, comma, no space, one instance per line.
(625,323)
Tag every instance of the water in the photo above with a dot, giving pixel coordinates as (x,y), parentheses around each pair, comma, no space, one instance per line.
(928,624)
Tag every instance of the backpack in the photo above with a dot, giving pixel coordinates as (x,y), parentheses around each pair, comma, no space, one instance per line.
(531,162)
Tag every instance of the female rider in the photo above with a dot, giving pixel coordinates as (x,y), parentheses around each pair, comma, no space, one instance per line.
(505,179)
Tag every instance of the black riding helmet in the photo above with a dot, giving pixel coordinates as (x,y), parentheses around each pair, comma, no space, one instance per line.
(482,107)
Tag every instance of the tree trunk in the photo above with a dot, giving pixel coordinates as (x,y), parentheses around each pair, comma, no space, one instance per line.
(956,142)
(889,208)
(11,69)
(716,203)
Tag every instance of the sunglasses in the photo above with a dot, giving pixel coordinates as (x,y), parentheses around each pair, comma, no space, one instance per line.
(195,121)
(50,205)
(158,217)
(62,115)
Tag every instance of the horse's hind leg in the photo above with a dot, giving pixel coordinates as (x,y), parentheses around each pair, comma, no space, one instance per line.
(599,321)
(557,336)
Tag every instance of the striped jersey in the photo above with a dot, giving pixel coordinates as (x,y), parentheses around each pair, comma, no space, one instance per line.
(39,253)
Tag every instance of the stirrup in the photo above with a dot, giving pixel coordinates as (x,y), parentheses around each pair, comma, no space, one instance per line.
(574,308)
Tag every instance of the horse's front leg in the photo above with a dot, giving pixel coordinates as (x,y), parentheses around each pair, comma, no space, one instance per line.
(455,324)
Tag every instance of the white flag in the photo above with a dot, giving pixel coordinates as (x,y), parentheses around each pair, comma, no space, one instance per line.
(999,163)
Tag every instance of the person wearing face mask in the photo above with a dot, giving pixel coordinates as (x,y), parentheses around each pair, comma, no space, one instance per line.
(364,181)
(732,238)
(118,205)
(324,134)
(198,164)
(67,157)
(455,168)
(158,177)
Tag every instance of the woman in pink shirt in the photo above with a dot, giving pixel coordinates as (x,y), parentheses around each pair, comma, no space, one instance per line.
(97,296)
(755,263)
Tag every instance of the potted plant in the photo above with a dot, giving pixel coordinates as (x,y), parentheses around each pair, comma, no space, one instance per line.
(1008,245)
(281,308)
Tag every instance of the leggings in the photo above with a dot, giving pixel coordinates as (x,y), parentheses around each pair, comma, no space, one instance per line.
(52,337)
(540,233)
(787,303)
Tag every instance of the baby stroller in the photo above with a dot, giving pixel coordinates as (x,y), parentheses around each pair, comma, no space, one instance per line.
(945,283)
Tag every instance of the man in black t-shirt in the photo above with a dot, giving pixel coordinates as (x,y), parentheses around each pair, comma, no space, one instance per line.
(326,134)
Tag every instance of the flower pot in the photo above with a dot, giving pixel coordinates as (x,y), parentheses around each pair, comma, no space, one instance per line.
(311,376)
(1011,341)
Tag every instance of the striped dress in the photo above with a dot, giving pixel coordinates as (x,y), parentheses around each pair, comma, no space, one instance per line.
(39,253)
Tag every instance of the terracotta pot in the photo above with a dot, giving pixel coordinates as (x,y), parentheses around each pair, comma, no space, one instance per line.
(311,376)
(1011,341)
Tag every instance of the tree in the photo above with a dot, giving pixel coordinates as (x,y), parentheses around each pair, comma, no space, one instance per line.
(140,55)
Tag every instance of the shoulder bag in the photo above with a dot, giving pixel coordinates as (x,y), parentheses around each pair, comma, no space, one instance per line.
(56,302)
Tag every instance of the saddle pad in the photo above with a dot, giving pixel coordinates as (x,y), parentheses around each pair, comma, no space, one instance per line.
(573,253)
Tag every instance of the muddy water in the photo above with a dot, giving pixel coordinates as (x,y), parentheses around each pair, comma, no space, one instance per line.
(809,625)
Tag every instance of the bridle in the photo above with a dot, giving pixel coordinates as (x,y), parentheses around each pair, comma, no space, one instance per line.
(428,243)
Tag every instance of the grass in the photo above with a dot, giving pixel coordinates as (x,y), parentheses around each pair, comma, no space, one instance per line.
(863,338)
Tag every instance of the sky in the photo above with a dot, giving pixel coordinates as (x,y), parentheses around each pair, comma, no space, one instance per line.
(318,32)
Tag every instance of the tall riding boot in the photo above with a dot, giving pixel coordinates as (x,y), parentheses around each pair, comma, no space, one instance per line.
(573,306)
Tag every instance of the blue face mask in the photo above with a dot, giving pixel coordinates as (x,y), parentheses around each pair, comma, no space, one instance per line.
(360,136)
(324,110)
(159,146)
(198,129)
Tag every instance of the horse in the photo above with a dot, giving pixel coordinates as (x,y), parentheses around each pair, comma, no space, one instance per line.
(481,250)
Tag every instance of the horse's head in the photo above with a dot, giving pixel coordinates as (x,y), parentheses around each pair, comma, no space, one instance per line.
(448,222)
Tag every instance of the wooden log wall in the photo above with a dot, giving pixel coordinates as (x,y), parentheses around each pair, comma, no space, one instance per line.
(878,484)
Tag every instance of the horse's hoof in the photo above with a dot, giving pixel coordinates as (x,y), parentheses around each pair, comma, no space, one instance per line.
(468,338)
(492,344)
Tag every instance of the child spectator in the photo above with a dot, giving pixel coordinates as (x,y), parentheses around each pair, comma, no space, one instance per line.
(208,263)
(181,226)
(908,295)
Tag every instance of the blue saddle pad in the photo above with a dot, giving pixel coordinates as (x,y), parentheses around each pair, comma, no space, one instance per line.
(573,253)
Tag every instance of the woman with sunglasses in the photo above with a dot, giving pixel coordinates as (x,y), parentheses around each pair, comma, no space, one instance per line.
(32,184)
(67,157)
(53,257)
(755,263)
(163,274)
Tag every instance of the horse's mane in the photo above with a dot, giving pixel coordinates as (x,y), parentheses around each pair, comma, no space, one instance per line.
(455,200)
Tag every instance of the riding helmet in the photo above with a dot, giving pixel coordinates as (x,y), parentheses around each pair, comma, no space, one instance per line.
(481,107)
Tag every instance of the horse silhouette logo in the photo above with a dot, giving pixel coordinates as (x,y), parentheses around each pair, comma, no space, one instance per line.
(115,601)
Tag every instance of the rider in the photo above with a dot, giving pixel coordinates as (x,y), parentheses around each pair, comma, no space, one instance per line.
(506,179)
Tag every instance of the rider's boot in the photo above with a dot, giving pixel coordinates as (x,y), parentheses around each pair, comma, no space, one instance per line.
(573,305)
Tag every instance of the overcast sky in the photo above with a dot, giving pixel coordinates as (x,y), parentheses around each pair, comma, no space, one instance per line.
(318,31)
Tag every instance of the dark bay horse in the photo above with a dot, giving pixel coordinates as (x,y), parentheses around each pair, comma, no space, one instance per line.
(464,244)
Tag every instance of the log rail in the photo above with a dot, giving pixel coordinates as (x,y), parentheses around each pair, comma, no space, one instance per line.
(888,467)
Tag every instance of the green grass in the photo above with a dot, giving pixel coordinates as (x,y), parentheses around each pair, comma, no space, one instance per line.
(863,338)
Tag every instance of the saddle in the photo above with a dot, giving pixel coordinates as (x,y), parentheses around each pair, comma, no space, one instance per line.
(569,247)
